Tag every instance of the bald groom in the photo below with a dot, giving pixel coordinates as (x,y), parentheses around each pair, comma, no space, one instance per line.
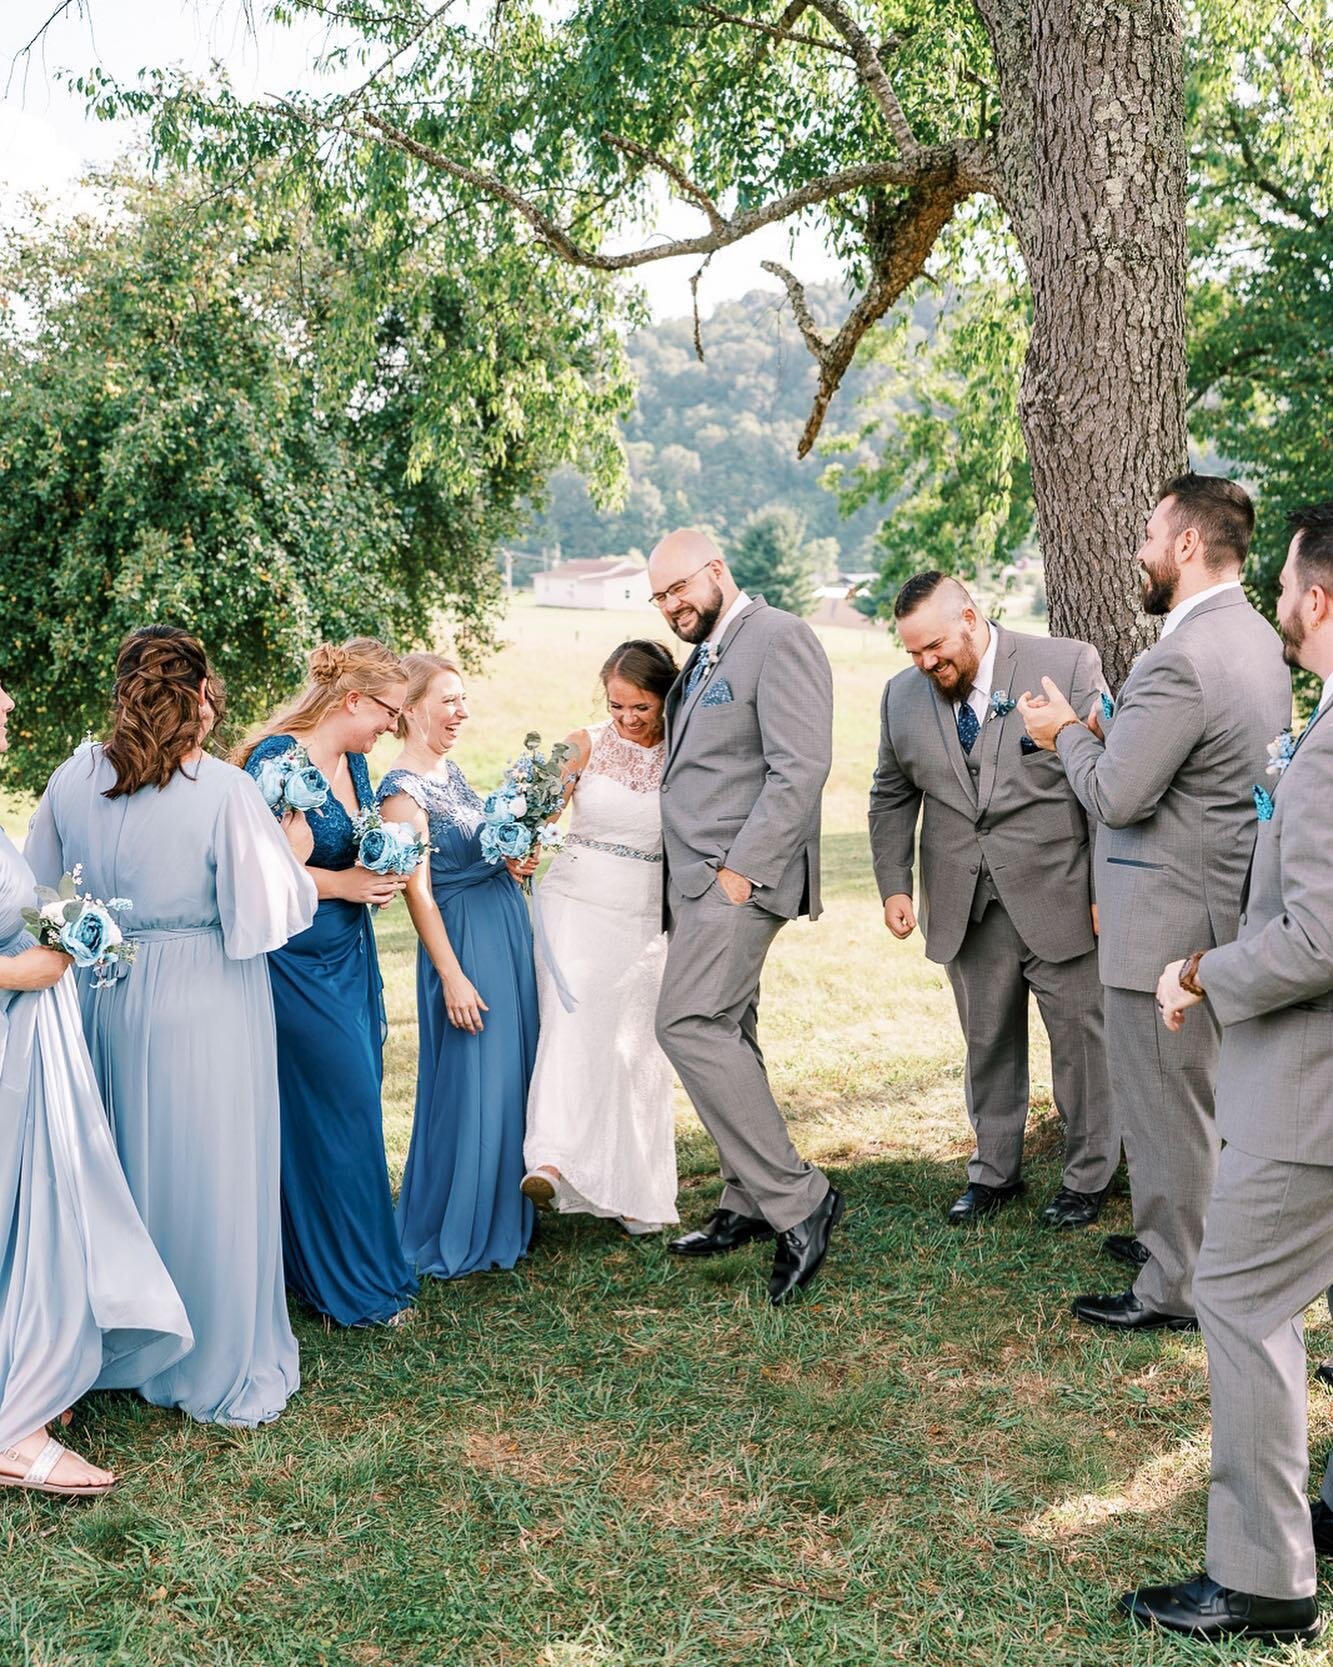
(749,729)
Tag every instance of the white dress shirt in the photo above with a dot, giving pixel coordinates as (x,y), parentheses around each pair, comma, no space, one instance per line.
(1328,692)
(1191,602)
(979,695)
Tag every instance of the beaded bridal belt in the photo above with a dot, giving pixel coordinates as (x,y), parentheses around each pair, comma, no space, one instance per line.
(614,850)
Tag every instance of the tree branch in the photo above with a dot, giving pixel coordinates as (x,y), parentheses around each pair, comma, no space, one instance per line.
(681,180)
(870,68)
(905,240)
(774,31)
(961,168)
(1261,181)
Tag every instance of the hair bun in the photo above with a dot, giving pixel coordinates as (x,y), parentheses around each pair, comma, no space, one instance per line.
(327,664)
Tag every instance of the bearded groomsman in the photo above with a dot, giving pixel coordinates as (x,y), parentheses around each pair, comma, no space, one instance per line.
(1268,1247)
(1005,899)
(1170,780)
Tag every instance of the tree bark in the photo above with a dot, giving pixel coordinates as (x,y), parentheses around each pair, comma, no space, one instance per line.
(1093,170)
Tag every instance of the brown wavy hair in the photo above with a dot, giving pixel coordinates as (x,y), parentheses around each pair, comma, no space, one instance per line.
(646,664)
(363,665)
(421,670)
(155,716)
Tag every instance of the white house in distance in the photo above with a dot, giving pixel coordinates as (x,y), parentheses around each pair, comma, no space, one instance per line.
(612,582)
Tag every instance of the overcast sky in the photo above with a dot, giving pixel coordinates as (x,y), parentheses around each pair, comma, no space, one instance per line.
(46,140)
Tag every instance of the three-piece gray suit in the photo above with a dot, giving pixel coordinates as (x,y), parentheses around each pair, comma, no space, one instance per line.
(1005,901)
(1172,789)
(748,752)
(1268,1247)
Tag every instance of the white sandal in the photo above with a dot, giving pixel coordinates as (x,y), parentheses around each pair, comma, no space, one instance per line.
(37,1476)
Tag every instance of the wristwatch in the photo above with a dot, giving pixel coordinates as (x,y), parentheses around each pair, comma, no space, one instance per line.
(1189,974)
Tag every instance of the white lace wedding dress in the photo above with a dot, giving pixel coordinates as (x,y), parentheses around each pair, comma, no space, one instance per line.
(599,1108)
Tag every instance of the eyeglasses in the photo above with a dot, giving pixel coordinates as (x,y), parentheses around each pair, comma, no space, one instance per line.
(395,712)
(673,593)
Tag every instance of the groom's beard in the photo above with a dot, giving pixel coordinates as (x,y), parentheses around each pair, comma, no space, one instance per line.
(693,622)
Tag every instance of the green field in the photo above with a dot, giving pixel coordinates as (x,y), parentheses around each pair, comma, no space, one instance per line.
(609,1459)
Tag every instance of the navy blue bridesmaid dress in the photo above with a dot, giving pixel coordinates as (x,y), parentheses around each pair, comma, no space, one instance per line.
(339,1244)
(460,1209)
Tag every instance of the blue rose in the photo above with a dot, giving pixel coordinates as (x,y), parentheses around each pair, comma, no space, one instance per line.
(89,936)
(513,840)
(1108,706)
(307,788)
(376,851)
(272,779)
(489,842)
(495,808)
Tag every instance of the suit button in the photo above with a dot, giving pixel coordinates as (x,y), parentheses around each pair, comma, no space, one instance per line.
(976,868)
(663,788)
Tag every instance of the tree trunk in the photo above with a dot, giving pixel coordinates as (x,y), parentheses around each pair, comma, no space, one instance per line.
(1092,158)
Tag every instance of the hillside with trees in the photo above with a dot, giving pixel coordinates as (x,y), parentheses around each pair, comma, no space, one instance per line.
(712,443)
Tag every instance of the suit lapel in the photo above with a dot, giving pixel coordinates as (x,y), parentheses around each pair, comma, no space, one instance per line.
(1006,652)
(947,720)
(685,705)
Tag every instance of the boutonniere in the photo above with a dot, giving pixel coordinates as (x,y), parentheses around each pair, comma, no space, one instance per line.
(1001,704)
(1108,706)
(1263,804)
(1280,750)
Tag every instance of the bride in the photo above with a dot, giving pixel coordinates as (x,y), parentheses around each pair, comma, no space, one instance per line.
(600,1134)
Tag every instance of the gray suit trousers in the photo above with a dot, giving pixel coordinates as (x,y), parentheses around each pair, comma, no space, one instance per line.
(992,975)
(1162,1084)
(1267,1254)
(708,1027)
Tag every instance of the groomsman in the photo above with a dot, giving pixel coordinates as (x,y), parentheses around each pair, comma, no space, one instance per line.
(1005,899)
(1268,1248)
(1170,778)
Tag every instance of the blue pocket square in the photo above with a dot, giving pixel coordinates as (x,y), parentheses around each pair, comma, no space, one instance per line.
(718,694)
(1027,744)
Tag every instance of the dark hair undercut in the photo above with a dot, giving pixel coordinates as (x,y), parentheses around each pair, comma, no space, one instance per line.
(1219,510)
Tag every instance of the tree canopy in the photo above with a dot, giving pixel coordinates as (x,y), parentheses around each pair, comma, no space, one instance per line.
(202,423)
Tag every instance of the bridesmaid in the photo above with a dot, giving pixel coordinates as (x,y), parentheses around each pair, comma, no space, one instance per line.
(183,1042)
(342,1253)
(84,1299)
(460,1209)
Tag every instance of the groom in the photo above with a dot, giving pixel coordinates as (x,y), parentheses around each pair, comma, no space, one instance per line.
(749,742)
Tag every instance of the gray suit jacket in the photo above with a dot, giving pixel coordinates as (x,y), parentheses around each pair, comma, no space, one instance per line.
(1021,814)
(747,757)
(1173,787)
(1273,987)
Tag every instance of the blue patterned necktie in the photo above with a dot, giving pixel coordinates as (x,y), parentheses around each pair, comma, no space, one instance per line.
(969,725)
(697,670)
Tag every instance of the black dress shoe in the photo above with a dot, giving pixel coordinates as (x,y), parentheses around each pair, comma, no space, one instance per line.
(1126,1313)
(726,1231)
(1321,1523)
(1324,1373)
(801,1249)
(1073,1209)
(1206,1610)
(979,1200)
(1127,1249)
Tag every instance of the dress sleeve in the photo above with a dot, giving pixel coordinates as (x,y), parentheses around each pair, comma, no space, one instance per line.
(264,894)
(42,849)
(403,781)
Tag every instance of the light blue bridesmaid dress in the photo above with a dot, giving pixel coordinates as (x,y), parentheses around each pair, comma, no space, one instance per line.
(460,1208)
(84,1299)
(341,1251)
(183,1047)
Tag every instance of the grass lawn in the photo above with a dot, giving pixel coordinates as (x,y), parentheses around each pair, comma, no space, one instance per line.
(609,1459)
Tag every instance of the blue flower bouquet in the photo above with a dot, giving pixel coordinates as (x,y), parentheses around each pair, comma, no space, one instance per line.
(518,814)
(82,928)
(388,847)
(291,782)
